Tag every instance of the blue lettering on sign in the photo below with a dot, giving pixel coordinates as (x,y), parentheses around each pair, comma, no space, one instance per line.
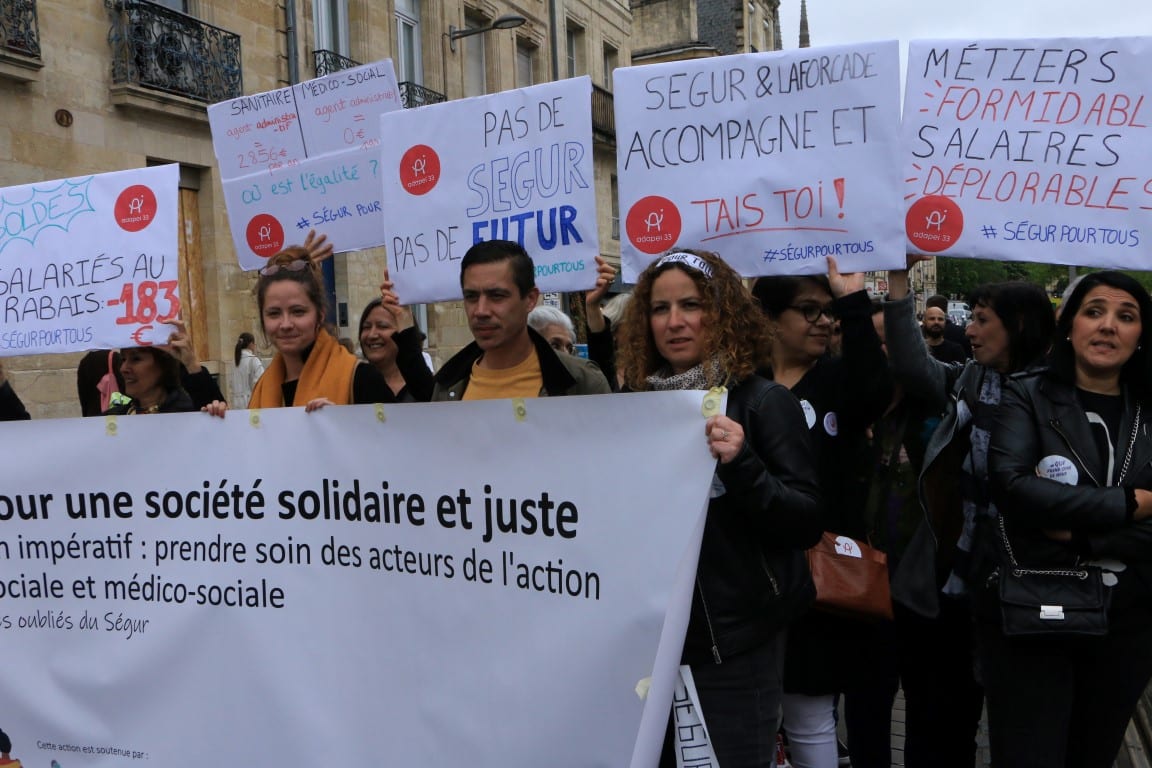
(514,183)
(54,206)
(793,252)
(549,231)
(1036,232)
(41,339)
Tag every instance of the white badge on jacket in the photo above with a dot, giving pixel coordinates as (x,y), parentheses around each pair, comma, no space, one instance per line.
(1058,468)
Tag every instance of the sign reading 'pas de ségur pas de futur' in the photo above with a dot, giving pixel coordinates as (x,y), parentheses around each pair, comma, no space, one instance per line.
(515,165)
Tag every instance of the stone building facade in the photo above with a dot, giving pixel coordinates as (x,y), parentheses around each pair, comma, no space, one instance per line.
(92,86)
(669,30)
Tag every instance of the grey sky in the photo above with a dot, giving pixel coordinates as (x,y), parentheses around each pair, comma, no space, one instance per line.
(838,22)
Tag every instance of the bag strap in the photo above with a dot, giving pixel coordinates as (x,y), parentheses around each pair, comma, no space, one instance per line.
(1079,573)
(1131,445)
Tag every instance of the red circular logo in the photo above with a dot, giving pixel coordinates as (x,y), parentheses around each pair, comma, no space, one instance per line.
(419,169)
(934,223)
(265,235)
(653,224)
(135,208)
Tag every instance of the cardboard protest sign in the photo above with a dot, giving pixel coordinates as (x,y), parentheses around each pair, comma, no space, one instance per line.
(89,262)
(774,160)
(1030,150)
(515,165)
(304,157)
(416,612)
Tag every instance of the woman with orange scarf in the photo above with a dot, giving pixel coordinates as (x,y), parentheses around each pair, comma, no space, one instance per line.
(310,367)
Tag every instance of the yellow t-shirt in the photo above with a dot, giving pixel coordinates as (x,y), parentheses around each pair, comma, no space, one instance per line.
(523,380)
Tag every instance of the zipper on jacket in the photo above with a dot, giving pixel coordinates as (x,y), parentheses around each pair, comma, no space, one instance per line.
(1055,424)
(771,576)
(708,621)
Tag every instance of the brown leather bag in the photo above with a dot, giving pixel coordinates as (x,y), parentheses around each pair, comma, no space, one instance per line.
(851,578)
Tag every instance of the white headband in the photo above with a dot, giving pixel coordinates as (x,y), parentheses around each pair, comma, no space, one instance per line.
(690,260)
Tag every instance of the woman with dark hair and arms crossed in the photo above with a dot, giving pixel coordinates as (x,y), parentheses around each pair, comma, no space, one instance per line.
(1071,463)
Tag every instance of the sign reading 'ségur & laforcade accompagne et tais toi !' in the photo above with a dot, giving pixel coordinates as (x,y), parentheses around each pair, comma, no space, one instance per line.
(773,160)
(305,157)
(515,165)
(1030,150)
(89,262)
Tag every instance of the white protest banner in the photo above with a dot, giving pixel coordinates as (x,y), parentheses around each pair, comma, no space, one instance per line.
(304,157)
(445,584)
(89,262)
(774,160)
(1030,150)
(515,165)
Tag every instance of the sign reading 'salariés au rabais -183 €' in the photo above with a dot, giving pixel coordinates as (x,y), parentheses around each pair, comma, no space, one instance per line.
(89,262)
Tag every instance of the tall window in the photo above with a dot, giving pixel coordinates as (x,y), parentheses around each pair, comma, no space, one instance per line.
(475,62)
(176,5)
(525,63)
(574,38)
(611,61)
(331,19)
(409,65)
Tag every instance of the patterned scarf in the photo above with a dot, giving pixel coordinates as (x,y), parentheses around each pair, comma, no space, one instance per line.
(703,376)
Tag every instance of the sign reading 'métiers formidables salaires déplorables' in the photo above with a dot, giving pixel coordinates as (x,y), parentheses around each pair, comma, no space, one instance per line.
(1030,150)
(515,165)
(89,262)
(304,157)
(773,160)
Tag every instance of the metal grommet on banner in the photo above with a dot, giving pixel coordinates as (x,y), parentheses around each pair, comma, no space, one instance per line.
(712,399)
(380,417)
(110,426)
(254,418)
(519,408)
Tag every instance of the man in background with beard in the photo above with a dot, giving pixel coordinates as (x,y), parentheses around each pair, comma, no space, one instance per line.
(935,325)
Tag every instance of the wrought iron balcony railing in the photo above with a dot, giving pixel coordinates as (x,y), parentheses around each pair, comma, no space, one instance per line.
(327,62)
(415,95)
(165,50)
(19,30)
(603,116)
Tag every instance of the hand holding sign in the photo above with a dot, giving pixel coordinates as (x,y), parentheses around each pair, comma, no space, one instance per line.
(401,314)
(843,284)
(180,346)
(318,246)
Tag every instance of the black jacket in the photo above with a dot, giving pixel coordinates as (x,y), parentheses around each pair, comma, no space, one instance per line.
(11,408)
(562,374)
(752,578)
(1041,428)
(177,401)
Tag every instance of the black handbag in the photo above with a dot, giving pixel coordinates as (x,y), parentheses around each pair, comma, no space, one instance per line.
(1071,602)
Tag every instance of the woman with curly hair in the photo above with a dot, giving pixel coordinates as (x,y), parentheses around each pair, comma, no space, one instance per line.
(691,324)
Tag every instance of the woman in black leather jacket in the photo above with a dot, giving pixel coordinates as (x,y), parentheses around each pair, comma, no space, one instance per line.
(692,325)
(1071,470)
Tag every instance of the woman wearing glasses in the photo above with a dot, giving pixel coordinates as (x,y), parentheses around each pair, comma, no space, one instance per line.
(310,367)
(840,396)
